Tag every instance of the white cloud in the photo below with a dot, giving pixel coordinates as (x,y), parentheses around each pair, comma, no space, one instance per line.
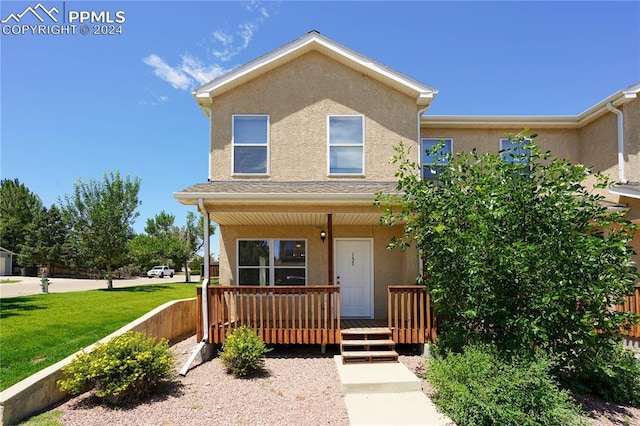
(199,72)
(173,76)
(154,101)
(192,71)
(225,39)
(189,73)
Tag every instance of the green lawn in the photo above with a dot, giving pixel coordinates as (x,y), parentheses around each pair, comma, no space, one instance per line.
(39,330)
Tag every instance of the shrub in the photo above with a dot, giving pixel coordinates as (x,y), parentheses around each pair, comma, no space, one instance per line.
(539,260)
(243,352)
(128,271)
(127,368)
(477,387)
(614,374)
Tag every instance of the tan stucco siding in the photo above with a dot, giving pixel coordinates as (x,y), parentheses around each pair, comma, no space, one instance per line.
(598,149)
(298,97)
(634,216)
(562,143)
(390,267)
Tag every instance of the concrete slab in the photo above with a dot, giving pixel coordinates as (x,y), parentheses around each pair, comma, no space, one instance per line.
(376,377)
(398,409)
(386,394)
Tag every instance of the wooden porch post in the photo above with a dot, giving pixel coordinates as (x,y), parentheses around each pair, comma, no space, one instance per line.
(330,246)
(330,260)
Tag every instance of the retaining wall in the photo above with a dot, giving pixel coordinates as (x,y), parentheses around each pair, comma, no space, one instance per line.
(37,392)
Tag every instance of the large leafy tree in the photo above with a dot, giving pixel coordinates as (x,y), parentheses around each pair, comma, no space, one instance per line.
(45,239)
(101,215)
(519,253)
(18,208)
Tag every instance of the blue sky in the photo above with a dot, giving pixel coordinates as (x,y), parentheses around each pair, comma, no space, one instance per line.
(76,106)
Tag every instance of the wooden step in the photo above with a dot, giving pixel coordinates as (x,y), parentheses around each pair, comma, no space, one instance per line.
(357,343)
(370,356)
(370,342)
(366,331)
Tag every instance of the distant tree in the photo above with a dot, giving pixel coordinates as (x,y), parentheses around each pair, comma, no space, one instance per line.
(191,237)
(18,208)
(168,243)
(44,239)
(101,215)
(160,224)
(146,251)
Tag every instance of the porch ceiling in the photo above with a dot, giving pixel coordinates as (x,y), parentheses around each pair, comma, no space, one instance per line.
(294,218)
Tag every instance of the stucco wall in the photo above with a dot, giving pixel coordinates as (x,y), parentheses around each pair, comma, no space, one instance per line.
(631,113)
(598,149)
(298,97)
(390,267)
(564,143)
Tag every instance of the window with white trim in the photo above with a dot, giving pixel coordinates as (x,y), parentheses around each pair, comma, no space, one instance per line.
(515,152)
(250,144)
(346,144)
(432,162)
(269,262)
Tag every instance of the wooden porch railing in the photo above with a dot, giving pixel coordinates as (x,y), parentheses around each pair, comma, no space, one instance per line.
(409,314)
(632,304)
(292,314)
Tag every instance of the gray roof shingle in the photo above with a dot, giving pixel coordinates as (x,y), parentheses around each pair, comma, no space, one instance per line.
(318,187)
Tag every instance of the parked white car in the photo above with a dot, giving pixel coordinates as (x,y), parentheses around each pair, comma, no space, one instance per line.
(160,271)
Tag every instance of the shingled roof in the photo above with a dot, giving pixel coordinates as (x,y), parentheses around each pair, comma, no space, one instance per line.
(249,187)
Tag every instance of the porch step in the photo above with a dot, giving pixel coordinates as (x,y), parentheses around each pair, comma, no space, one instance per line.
(367,345)
(370,356)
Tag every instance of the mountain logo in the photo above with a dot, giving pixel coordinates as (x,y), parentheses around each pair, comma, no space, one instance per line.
(38,11)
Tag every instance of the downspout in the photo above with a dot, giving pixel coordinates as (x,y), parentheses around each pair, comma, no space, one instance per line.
(205,292)
(420,112)
(620,117)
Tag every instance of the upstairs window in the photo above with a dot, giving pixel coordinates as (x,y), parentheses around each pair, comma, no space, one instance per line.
(514,152)
(251,144)
(432,162)
(346,145)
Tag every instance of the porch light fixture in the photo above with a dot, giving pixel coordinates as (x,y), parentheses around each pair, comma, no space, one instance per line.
(323,235)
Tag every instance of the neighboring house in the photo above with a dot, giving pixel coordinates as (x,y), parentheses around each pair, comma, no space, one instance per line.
(300,142)
(6,261)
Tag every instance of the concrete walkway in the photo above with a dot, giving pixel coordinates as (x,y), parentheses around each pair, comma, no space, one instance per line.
(386,394)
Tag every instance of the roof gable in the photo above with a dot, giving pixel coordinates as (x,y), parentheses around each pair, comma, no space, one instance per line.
(314,41)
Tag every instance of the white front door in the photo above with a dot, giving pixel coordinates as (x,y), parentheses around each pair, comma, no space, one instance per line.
(353,260)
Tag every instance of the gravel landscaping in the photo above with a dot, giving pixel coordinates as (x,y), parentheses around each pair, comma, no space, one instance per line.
(300,386)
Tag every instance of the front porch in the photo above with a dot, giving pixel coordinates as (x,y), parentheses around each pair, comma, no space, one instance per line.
(310,314)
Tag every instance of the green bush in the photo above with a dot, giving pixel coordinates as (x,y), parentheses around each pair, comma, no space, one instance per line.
(477,387)
(243,352)
(127,368)
(613,373)
(539,260)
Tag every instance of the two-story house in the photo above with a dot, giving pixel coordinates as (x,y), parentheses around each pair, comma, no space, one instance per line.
(300,142)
